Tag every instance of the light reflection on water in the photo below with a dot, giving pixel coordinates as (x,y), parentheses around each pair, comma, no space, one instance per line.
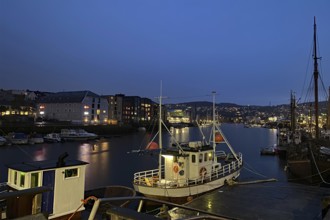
(112,163)
(40,154)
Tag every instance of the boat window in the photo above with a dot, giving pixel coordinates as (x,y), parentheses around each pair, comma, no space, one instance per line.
(22,178)
(68,173)
(205,156)
(210,156)
(200,158)
(193,158)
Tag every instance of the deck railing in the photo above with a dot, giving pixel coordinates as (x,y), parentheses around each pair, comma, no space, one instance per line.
(151,177)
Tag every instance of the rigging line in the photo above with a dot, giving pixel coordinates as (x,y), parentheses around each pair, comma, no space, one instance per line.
(24,151)
(307,70)
(309,92)
(145,136)
(318,168)
(254,172)
(323,87)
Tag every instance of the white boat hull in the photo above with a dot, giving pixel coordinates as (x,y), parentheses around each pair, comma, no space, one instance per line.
(186,193)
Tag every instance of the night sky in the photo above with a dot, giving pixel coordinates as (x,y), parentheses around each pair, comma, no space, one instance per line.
(251,52)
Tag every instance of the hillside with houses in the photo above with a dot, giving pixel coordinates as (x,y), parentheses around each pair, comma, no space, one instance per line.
(88,108)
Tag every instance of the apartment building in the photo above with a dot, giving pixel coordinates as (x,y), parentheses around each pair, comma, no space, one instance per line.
(81,107)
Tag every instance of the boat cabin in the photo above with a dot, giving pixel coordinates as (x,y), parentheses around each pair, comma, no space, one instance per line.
(64,178)
(195,163)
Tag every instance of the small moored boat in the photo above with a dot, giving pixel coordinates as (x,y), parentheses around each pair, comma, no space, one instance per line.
(77,135)
(2,140)
(52,138)
(17,138)
(36,139)
(268,151)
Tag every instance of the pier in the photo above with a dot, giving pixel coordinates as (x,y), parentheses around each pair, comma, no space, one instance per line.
(271,200)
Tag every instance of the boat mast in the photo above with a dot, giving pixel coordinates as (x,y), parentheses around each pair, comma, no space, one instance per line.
(213,121)
(328,112)
(316,75)
(160,141)
(293,112)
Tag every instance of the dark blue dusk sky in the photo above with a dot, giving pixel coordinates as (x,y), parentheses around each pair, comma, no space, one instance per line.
(248,51)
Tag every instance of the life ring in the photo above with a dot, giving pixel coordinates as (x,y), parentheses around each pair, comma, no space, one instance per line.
(175,168)
(203,172)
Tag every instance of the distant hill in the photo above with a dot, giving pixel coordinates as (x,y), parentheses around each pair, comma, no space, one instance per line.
(203,104)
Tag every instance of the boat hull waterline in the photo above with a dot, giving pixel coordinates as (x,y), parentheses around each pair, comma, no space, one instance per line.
(182,195)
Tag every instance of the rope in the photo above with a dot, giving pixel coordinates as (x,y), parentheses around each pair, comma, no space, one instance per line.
(255,181)
(318,171)
(253,171)
(84,201)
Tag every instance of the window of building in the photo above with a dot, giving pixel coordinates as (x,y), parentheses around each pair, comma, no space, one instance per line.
(15,177)
(73,172)
(34,180)
(22,179)
(205,156)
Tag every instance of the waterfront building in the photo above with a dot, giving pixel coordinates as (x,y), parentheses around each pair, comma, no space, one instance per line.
(17,103)
(115,109)
(80,107)
(131,109)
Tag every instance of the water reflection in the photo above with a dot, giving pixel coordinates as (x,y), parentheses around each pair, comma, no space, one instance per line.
(111,161)
(40,154)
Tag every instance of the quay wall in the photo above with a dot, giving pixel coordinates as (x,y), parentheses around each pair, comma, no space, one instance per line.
(102,130)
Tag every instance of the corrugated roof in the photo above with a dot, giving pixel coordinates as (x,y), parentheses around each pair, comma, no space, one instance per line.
(67,97)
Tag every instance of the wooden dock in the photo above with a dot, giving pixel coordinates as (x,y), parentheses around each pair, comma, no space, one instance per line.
(272,200)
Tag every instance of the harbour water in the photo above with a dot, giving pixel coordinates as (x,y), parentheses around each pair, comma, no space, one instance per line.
(111,161)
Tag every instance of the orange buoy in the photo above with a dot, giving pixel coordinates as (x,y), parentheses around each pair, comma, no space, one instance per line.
(218,137)
(203,172)
(175,168)
(152,146)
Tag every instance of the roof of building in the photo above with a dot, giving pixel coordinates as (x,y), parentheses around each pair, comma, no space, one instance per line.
(67,97)
(44,165)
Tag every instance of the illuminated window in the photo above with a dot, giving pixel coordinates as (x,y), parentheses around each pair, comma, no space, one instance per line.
(34,180)
(22,178)
(210,156)
(15,177)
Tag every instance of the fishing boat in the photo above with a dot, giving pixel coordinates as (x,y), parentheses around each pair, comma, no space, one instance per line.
(288,132)
(187,171)
(305,161)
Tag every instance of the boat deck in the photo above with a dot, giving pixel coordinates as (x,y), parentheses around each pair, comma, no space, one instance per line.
(272,200)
